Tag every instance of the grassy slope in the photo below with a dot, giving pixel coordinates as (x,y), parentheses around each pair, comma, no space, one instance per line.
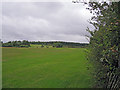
(45,68)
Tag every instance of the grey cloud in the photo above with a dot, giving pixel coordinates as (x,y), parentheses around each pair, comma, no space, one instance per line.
(45,21)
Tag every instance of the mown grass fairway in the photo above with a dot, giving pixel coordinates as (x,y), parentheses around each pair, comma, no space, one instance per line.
(45,68)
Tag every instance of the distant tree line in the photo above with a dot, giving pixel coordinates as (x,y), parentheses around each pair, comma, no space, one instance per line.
(60,44)
(56,44)
(23,43)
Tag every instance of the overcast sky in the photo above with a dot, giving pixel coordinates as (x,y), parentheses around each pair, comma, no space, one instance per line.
(45,21)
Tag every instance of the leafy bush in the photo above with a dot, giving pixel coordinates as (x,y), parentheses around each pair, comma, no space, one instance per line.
(104,44)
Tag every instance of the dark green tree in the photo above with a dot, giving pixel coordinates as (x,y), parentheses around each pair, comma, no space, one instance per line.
(42,46)
(58,45)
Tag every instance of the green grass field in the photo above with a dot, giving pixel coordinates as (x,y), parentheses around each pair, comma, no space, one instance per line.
(45,68)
